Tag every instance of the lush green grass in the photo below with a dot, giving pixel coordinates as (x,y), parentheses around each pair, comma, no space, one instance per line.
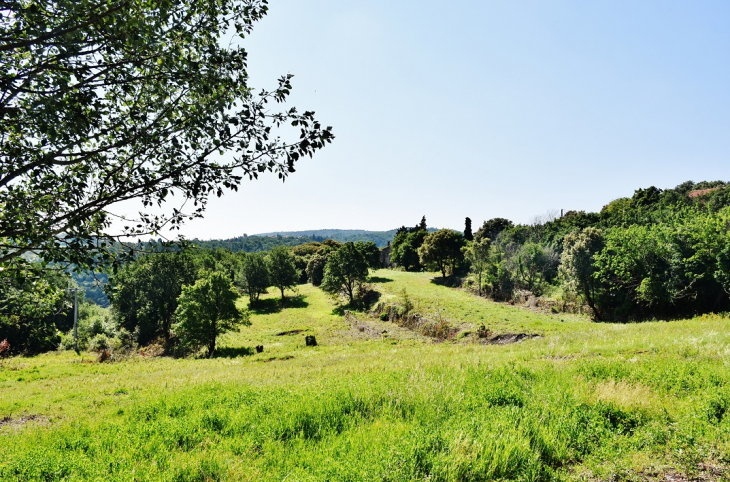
(585,401)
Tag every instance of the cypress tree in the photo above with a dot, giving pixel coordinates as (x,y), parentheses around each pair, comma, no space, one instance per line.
(467,230)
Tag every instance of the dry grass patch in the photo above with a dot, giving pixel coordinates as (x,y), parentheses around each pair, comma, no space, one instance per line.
(625,395)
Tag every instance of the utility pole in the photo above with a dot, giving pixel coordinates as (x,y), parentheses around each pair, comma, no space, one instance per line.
(76,318)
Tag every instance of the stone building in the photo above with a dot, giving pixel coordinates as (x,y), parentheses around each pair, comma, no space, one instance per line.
(385,256)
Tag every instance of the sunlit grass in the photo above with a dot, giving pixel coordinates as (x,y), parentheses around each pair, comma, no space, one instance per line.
(585,400)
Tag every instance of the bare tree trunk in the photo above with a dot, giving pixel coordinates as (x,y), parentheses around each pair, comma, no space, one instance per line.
(350,293)
(211,342)
(587,291)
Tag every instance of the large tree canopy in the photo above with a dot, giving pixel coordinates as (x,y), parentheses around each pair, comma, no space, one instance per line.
(345,270)
(144,294)
(441,250)
(206,310)
(102,102)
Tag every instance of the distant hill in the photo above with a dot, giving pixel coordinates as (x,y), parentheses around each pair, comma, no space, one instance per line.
(252,244)
(266,241)
(380,238)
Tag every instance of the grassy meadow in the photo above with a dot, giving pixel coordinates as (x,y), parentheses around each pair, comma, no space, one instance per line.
(374,401)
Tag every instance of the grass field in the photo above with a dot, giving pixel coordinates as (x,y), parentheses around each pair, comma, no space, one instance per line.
(374,401)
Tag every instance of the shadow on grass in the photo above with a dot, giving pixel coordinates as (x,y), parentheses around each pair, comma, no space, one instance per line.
(275,305)
(233,352)
(357,305)
(366,297)
(379,279)
(450,281)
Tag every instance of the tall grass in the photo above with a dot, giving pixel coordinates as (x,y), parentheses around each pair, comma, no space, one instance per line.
(585,401)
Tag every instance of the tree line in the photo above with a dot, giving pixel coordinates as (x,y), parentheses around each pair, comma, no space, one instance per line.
(179,299)
(151,297)
(658,254)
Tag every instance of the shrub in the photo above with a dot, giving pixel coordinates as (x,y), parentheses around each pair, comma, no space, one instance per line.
(483,331)
(4,348)
(93,321)
(367,295)
(315,269)
(124,340)
(67,341)
(99,342)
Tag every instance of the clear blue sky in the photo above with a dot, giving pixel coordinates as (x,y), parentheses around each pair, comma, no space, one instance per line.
(484,109)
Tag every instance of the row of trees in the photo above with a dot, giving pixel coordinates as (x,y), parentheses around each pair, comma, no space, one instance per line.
(182,299)
(159,296)
(156,291)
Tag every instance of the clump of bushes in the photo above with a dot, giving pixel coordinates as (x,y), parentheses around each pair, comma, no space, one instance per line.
(483,331)
(97,331)
(403,314)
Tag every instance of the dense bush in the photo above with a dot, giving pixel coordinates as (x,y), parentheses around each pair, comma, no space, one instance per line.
(315,269)
(671,269)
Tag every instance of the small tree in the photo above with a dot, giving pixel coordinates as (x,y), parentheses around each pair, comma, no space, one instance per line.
(405,249)
(576,263)
(490,229)
(370,252)
(345,270)
(282,269)
(254,276)
(467,230)
(315,269)
(532,265)
(207,309)
(441,249)
(478,256)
